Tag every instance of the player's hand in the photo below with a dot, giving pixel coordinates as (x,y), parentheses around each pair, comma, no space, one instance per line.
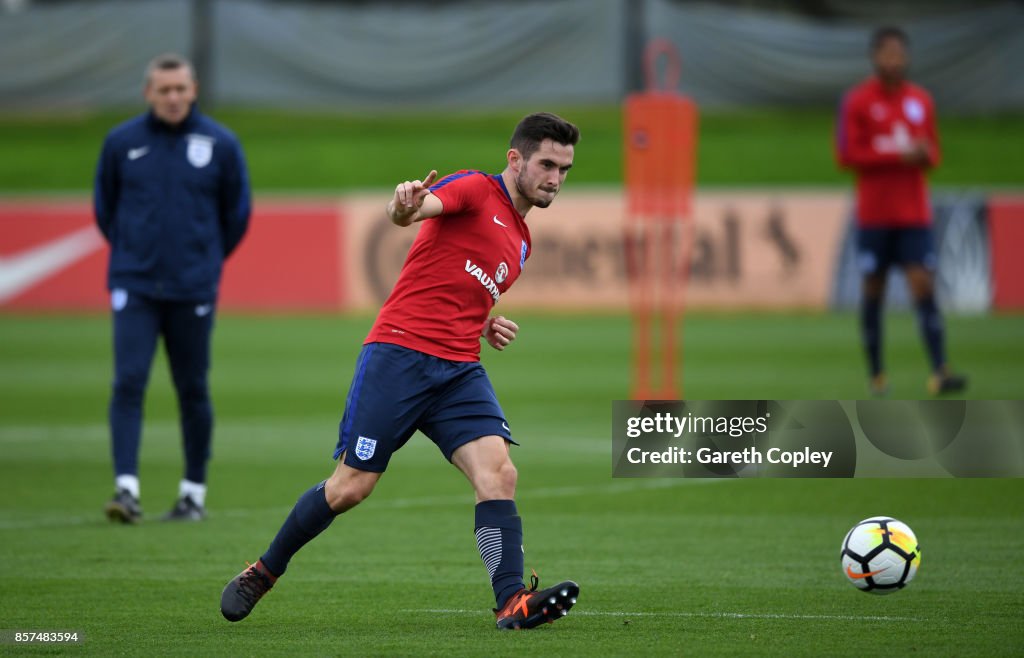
(410,194)
(408,199)
(918,155)
(499,331)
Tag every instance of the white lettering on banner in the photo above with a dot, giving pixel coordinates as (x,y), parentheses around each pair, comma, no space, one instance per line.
(27,268)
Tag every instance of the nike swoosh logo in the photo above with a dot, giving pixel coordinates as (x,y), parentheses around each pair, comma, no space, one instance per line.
(135,154)
(499,222)
(505,425)
(857,576)
(24,270)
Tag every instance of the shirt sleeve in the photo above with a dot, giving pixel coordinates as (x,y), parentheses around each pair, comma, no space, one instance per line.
(235,199)
(106,189)
(457,191)
(854,148)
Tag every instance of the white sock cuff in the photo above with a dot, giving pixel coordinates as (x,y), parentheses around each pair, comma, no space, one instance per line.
(129,482)
(194,490)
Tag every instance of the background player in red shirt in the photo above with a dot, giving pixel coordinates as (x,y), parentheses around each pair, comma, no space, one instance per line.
(419,368)
(886,133)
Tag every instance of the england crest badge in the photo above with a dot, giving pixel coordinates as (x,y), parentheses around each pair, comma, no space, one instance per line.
(365,448)
(913,109)
(200,150)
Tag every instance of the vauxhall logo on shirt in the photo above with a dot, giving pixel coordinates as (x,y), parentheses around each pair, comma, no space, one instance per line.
(485,279)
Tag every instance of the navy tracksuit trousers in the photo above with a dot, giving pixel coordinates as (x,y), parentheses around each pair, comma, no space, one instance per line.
(186,328)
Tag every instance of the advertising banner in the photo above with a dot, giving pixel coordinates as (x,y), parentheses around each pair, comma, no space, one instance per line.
(751,250)
(1006,224)
(52,257)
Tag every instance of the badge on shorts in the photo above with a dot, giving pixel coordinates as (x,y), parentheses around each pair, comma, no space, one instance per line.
(200,150)
(118,298)
(365,448)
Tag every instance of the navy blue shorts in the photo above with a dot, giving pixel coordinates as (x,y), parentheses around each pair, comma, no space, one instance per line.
(880,248)
(396,391)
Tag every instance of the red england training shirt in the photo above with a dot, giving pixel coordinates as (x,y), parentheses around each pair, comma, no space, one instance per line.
(875,125)
(459,265)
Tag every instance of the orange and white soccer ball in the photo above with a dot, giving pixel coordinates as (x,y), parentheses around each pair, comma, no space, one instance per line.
(880,555)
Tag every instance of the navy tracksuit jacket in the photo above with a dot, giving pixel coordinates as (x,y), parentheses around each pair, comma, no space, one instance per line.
(173,202)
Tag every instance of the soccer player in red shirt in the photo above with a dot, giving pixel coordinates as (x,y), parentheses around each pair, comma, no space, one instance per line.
(886,133)
(419,368)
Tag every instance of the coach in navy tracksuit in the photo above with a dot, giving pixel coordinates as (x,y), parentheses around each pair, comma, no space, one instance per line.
(172,198)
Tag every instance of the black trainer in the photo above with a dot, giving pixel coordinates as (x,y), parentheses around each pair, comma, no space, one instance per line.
(244,591)
(529,608)
(945,383)
(124,507)
(185,509)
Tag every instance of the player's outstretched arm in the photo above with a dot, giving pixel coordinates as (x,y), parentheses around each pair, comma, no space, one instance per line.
(499,332)
(413,201)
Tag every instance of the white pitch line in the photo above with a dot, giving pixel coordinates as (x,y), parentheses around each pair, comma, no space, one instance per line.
(712,615)
(615,487)
(33,433)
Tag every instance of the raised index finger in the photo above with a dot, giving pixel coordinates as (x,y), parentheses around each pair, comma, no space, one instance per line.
(431,177)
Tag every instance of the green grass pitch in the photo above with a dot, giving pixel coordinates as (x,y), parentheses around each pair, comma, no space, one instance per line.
(667,567)
(327,152)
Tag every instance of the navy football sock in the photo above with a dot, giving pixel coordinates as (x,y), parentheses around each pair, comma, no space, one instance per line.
(871,332)
(310,516)
(499,536)
(929,320)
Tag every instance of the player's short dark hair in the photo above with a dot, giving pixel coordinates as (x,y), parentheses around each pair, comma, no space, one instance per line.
(535,128)
(883,34)
(167,62)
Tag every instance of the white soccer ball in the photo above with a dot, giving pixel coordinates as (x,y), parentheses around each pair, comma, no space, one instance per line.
(880,555)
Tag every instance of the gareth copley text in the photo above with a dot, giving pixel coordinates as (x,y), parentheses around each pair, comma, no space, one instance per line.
(663,423)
